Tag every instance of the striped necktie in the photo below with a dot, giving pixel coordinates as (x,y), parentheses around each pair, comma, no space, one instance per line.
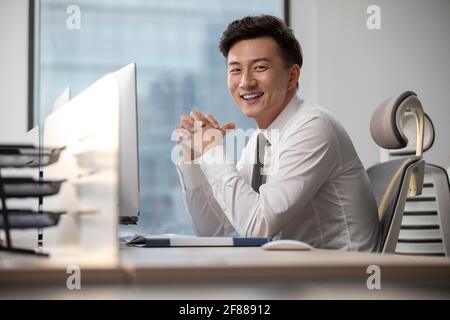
(257,176)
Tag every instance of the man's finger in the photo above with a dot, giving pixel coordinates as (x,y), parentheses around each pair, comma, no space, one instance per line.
(187,123)
(182,131)
(198,116)
(213,121)
(187,118)
(227,126)
(183,134)
(188,126)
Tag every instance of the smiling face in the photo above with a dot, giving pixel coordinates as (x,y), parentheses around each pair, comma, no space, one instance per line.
(259,80)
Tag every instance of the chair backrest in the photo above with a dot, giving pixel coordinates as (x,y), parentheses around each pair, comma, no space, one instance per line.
(392,181)
(425,227)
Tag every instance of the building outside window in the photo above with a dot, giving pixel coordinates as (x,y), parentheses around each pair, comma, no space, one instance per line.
(175,46)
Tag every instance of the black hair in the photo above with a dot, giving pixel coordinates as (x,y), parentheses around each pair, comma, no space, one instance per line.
(252,27)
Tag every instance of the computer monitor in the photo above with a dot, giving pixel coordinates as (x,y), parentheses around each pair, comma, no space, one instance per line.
(129,146)
(102,119)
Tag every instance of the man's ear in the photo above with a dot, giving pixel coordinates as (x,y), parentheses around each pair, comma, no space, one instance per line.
(294,75)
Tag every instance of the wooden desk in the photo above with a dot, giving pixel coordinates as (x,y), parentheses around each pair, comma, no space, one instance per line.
(230,273)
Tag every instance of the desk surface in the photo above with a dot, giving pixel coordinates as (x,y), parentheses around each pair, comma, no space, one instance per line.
(254,269)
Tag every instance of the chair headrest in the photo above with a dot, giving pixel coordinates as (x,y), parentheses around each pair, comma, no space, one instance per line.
(385,124)
(409,130)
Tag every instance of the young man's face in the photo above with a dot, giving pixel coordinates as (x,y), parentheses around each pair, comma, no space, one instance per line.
(259,80)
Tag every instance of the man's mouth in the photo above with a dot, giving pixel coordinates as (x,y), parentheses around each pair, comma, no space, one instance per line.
(252,96)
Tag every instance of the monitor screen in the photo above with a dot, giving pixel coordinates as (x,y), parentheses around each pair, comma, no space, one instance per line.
(98,128)
(128,145)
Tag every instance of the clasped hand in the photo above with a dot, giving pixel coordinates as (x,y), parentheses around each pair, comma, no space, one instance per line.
(198,134)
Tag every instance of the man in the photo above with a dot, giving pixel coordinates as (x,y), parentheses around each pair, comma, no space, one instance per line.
(306,184)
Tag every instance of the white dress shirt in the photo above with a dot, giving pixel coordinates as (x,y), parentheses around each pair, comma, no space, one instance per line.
(316,188)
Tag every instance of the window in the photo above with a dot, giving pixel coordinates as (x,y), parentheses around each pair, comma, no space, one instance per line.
(174,44)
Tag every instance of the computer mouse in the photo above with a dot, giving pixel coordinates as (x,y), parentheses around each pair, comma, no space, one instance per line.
(286,245)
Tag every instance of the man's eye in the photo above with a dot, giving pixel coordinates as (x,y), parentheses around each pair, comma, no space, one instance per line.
(260,68)
(234,70)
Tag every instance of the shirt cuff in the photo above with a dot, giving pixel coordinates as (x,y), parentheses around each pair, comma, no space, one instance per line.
(215,164)
(191,175)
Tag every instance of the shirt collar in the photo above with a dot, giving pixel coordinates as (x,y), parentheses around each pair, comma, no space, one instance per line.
(285,115)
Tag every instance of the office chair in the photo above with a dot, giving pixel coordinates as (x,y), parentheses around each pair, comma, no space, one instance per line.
(393,180)
(425,227)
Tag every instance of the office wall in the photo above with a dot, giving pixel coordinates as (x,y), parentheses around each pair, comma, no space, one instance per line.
(13,68)
(350,69)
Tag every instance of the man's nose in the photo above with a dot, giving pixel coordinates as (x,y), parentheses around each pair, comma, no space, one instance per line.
(247,81)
